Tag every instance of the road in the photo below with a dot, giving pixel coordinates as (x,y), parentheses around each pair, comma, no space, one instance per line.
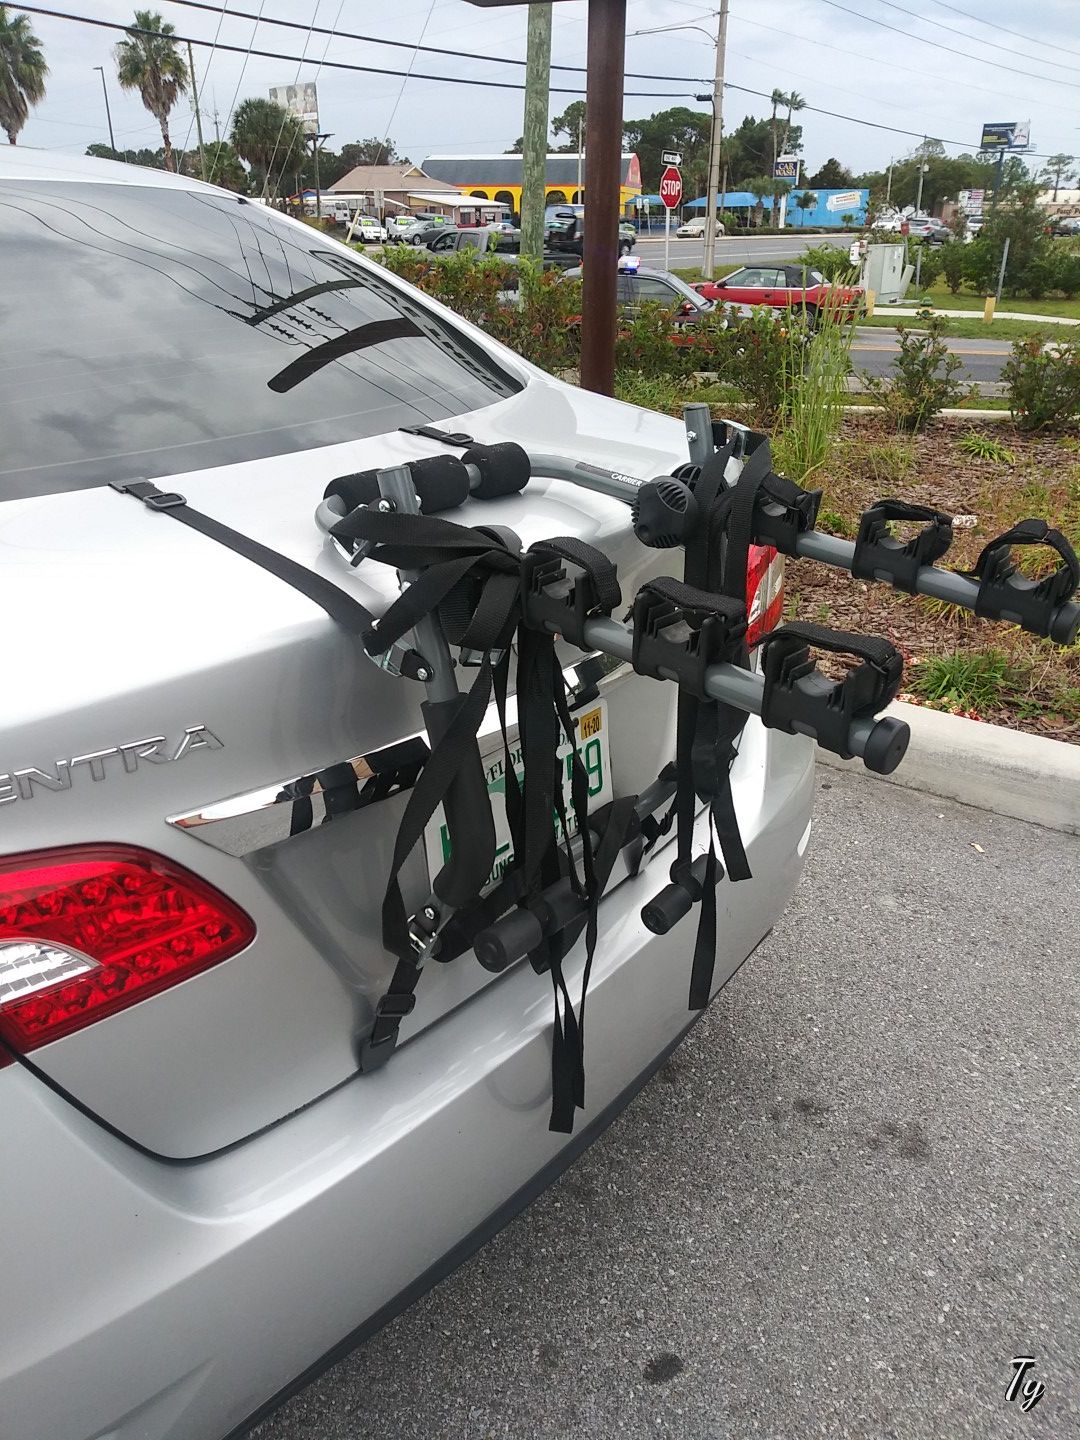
(875,351)
(840,1210)
(736,250)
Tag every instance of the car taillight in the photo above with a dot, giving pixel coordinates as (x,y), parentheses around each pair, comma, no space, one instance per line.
(89,930)
(764,592)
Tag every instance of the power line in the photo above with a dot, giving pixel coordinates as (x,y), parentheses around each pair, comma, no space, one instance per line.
(990,44)
(410,45)
(906,69)
(346,65)
(993,25)
(937,45)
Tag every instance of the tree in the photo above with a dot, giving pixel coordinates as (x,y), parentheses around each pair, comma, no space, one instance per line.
(794,102)
(761,187)
(372,151)
(223,166)
(269,139)
(832,176)
(777,99)
(152,159)
(1056,167)
(570,123)
(749,150)
(806,201)
(680,128)
(22,72)
(150,63)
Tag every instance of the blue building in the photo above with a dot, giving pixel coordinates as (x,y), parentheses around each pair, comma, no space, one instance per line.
(826,213)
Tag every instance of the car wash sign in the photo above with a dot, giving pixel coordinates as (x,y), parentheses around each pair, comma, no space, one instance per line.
(786,167)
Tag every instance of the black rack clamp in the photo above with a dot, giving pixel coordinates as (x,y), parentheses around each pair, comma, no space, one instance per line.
(798,699)
(1035,605)
(554,602)
(679,631)
(878,556)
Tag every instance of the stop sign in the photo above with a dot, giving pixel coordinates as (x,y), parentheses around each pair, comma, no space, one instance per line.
(671,188)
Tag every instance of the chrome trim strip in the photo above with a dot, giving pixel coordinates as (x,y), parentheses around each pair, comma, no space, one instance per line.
(242,824)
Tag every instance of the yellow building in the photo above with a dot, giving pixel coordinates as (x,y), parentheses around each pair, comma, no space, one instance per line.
(498,177)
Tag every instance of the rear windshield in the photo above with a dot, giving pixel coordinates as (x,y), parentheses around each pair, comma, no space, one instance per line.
(145,332)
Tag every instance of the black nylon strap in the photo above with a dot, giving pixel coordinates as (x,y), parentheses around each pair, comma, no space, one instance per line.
(340,606)
(1032,532)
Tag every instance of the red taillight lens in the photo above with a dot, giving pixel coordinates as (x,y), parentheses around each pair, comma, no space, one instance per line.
(87,931)
(764,592)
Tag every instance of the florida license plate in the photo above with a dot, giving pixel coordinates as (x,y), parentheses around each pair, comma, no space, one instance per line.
(593,747)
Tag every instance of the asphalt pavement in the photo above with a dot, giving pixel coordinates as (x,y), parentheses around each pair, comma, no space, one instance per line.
(841,1209)
(735,249)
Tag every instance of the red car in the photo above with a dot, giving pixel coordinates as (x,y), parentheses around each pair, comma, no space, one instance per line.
(781,286)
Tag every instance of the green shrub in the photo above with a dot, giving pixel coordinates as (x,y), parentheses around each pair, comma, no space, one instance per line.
(931,265)
(1043,384)
(753,355)
(816,368)
(833,263)
(667,394)
(922,382)
(953,265)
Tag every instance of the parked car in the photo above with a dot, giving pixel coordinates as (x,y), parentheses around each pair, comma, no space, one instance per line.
(782,287)
(928,228)
(369,229)
(695,230)
(1065,225)
(201,1199)
(566,232)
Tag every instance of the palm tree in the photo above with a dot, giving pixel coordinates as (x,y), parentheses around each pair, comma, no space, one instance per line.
(776,99)
(761,187)
(22,72)
(148,61)
(794,102)
(1056,166)
(806,201)
(268,137)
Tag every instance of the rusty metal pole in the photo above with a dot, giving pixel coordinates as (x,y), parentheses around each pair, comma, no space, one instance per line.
(603,180)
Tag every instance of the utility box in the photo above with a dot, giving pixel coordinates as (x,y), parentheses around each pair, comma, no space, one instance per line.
(885,271)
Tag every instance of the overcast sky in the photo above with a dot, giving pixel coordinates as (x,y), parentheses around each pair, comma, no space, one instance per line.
(834,60)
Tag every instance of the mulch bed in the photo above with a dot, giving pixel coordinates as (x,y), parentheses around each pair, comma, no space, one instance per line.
(871,462)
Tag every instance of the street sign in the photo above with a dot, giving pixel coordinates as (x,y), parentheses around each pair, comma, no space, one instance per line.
(786,167)
(1006,135)
(670,157)
(671,188)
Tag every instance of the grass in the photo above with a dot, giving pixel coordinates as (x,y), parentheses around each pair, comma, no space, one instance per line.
(939,295)
(857,401)
(976,682)
(974,329)
(985,447)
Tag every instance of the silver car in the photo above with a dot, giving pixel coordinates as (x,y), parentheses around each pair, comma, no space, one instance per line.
(201,780)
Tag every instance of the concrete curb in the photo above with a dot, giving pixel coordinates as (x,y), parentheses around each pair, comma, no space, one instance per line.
(950,414)
(1003,771)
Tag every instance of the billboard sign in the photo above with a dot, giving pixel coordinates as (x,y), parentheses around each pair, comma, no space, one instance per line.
(1006,135)
(786,167)
(301,100)
(845,200)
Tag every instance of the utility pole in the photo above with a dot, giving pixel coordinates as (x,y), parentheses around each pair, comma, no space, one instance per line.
(534,132)
(198,112)
(605,59)
(715,144)
(108,112)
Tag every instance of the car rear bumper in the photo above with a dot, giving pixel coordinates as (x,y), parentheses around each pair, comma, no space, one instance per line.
(170,1301)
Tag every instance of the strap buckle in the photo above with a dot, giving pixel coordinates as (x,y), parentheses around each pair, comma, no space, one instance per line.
(166,501)
(423,930)
(401,661)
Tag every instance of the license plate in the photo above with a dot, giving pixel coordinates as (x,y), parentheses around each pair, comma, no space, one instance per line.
(593,747)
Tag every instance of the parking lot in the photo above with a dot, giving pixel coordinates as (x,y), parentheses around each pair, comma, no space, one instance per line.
(841,1209)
